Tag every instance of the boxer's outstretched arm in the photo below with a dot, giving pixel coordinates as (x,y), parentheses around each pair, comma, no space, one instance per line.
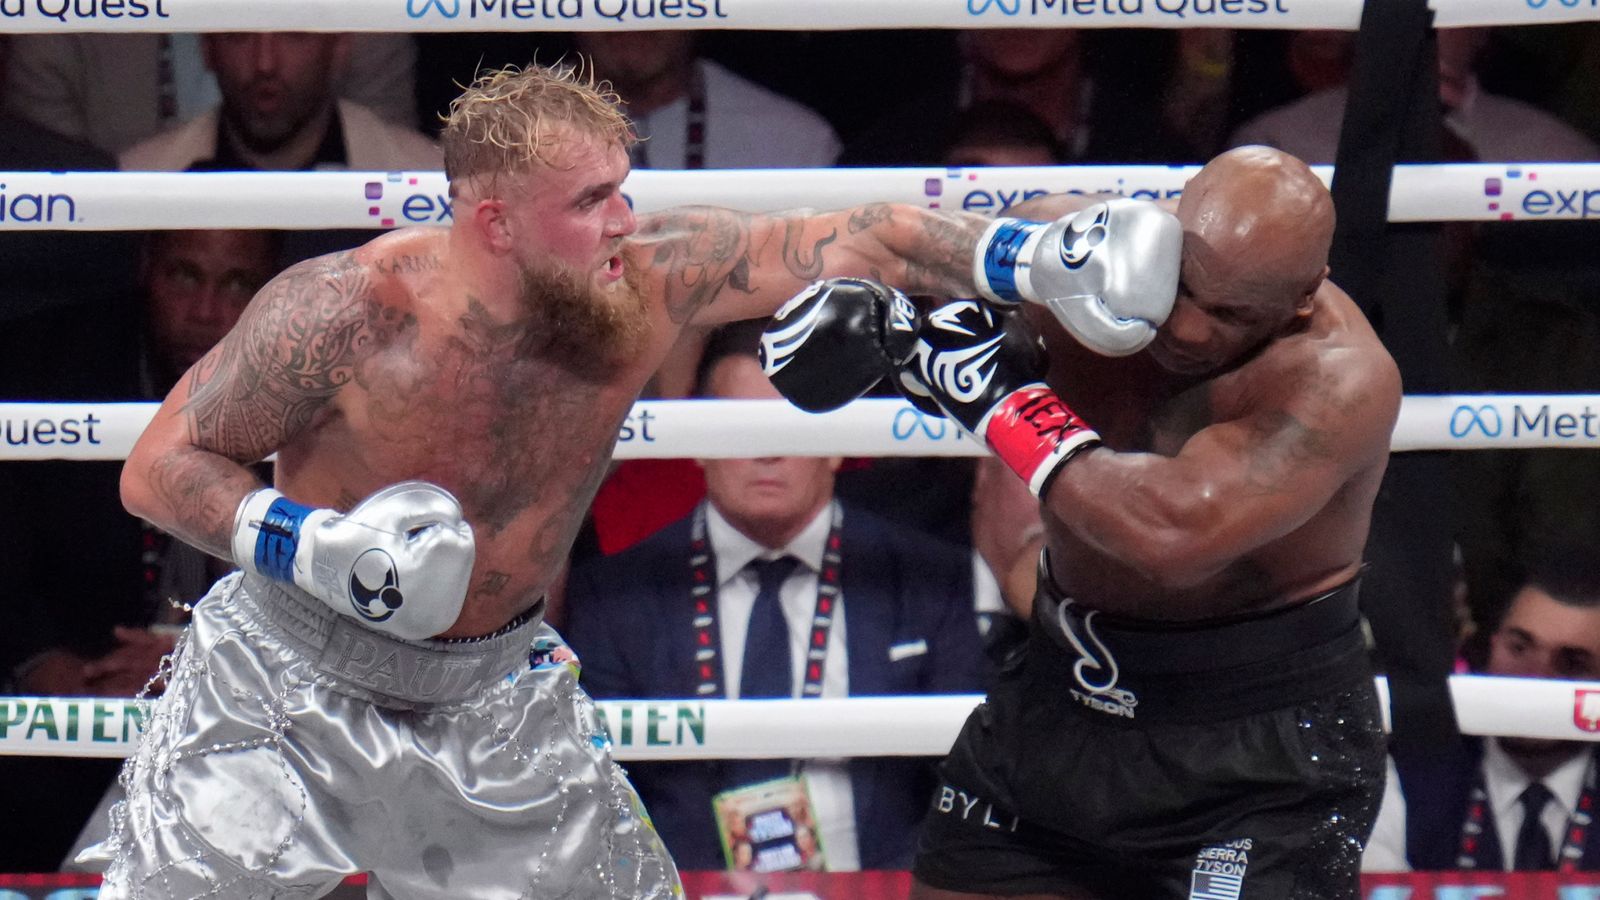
(718,265)
(296,343)
(1237,485)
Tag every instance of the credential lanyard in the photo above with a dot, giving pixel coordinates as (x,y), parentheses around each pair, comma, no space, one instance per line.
(1571,857)
(694,127)
(708,638)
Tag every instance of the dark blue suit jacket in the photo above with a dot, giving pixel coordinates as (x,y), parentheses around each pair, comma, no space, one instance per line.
(1437,783)
(629,619)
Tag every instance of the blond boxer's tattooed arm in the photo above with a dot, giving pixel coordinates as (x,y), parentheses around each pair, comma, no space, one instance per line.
(715,265)
(296,344)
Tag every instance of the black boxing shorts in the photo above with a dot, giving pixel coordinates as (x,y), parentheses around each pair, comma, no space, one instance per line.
(1131,760)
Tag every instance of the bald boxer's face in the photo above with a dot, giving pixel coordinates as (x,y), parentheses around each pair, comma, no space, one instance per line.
(769,499)
(273,83)
(1255,229)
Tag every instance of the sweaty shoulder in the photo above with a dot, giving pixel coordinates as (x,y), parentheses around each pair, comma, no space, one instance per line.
(401,267)
(1336,372)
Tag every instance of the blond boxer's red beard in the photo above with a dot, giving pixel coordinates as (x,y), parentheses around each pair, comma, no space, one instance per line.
(586,327)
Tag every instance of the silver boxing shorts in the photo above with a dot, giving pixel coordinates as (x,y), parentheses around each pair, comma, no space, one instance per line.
(294,747)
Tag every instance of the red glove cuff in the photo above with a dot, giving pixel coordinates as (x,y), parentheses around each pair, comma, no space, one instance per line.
(1034,433)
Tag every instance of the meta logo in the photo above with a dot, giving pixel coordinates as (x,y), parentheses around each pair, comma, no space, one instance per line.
(1484,419)
(909,421)
(448,9)
(1005,7)
(1487,420)
(1564,4)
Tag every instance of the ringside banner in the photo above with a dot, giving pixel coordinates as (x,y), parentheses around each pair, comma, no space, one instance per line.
(64,16)
(628,15)
(678,429)
(894,885)
(99,201)
(922,725)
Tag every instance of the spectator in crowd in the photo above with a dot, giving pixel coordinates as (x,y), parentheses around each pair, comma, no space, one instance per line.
(195,285)
(278,111)
(1493,128)
(789,568)
(1505,804)
(692,113)
(92,591)
(115,90)
(1042,70)
(47,268)
(1001,134)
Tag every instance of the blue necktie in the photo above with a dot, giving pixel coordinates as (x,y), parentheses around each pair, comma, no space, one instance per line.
(766,670)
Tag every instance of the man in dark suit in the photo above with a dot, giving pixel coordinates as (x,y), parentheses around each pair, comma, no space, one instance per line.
(1510,804)
(788,568)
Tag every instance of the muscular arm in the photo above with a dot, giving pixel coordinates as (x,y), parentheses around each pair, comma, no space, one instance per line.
(718,265)
(1234,486)
(296,343)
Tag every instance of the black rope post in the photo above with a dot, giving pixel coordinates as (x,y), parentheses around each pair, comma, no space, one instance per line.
(1396,274)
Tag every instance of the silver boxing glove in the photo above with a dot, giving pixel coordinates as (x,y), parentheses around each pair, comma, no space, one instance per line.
(1109,272)
(400,561)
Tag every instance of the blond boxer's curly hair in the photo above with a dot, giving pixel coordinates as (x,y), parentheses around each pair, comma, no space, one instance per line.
(512,121)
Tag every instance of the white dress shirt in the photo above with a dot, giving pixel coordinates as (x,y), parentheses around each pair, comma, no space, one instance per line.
(1504,781)
(746,127)
(829,779)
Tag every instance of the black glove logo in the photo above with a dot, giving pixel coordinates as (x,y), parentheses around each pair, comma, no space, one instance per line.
(1077,245)
(961,370)
(375,586)
(778,346)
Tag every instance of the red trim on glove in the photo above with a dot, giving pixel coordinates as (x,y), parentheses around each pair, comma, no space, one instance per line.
(1034,433)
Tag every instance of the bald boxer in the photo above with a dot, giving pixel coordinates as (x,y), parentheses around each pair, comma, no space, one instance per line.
(1194,716)
(375,690)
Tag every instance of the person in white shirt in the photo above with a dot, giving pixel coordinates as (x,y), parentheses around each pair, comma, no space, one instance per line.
(1508,804)
(278,112)
(1495,128)
(773,588)
(692,113)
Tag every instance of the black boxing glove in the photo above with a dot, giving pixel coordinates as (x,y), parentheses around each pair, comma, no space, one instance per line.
(835,340)
(987,373)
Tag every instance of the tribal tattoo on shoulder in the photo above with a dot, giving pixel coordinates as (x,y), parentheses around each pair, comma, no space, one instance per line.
(297,343)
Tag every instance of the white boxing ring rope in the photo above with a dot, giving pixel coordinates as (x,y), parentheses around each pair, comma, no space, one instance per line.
(111,201)
(827,727)
(668,429)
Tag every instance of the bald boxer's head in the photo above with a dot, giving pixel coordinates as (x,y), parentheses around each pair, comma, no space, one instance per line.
(1257,226)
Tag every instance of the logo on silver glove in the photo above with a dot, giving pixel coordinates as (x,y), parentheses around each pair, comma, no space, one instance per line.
(375,586)
(1086,231)
(778,347)
(963,375)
